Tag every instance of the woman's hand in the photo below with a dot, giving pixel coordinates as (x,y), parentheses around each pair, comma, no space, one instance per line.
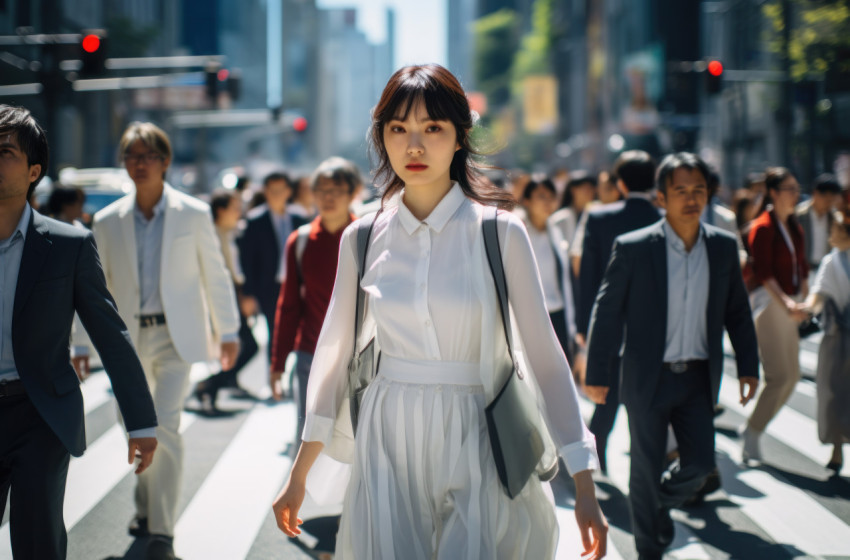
(286,507)
(797,311)
(592,525)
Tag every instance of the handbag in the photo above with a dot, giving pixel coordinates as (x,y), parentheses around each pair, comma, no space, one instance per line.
(514,423)
(364,363)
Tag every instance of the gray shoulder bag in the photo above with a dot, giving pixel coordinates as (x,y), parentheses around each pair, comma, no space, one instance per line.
(514,422)
(364,364)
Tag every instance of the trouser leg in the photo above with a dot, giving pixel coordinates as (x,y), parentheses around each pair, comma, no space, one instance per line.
(35,468)
(779,348)
(648,432)
(692,420)
(303,362)
(602,422)
(160,484)
(247,350)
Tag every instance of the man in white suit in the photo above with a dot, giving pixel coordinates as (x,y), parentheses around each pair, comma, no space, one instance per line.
(164,267)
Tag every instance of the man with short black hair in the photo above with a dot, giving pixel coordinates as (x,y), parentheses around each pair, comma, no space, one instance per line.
(671,287)
(49,270)
(635,173)
(815,216)
(262,245)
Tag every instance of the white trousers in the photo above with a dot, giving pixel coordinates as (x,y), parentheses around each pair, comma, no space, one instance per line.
(158,488)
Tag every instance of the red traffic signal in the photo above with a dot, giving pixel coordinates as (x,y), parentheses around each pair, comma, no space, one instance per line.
(91,43)
(715,68)
(299,124)
(92,52)
(714,77)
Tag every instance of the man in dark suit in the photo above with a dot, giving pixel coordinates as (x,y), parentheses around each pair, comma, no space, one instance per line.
(635,172)
(671,287)
(261,248)
(49,270)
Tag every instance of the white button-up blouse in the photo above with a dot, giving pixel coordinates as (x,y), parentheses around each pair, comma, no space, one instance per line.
(431,297)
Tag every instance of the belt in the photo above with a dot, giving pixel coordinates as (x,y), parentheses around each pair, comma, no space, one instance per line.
(682,367)
(152,320)
(11,388)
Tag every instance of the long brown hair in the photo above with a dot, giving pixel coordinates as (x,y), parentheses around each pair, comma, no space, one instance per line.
(444,99)
(773,178)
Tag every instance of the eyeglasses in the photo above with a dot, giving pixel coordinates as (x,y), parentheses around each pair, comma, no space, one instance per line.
(148,157)
(333,193)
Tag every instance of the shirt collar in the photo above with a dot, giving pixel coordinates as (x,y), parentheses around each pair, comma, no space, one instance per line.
(24,222)
(676,242)
(439,217)
(158,208)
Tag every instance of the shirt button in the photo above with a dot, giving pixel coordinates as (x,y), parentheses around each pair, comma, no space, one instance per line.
(427,322)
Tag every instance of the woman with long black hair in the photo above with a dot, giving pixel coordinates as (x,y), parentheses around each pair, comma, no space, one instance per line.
(424,482)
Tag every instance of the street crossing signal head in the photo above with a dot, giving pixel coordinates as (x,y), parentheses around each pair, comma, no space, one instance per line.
(714,77)
(299,124)
(92,53)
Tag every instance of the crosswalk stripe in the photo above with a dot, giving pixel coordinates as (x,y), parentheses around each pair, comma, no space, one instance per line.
(810,527)
(226,514)
(92,476)
(792,428)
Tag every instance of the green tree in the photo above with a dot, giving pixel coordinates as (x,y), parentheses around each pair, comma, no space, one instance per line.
(496,40)
(820,42)
(534,55)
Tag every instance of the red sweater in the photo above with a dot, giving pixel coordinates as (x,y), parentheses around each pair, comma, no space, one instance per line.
(304,299)
(770,257)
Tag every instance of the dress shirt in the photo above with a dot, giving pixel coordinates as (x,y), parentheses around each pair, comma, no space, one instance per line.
(424,281)
(11,251)
(820,236)
(544,253)
(283,228)
(149,255)
(687,298)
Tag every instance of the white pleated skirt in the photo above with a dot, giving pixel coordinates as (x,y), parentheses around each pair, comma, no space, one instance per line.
(424,485)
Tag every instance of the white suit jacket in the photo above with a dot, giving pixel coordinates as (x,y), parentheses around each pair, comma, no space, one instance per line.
(196,290)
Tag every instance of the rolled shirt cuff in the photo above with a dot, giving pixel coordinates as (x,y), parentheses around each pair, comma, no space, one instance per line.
(580,456)
(232,337)
(318,428)
(142,433)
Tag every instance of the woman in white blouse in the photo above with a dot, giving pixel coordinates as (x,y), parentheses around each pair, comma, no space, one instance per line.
(831,295)
(423,481)
(540,200)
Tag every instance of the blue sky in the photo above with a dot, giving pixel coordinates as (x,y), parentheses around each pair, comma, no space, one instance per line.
(420,26)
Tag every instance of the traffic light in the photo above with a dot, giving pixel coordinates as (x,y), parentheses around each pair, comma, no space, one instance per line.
(714,77)
(234,84)
(299,124)
(92,50)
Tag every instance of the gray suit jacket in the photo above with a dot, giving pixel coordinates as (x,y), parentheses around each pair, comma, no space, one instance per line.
(61,273)
(633,300)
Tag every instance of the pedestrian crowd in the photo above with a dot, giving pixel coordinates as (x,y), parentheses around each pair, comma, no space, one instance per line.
(419,332)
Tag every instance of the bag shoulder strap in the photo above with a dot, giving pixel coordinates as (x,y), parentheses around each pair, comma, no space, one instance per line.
(364,235)
(300,246)
(490,227)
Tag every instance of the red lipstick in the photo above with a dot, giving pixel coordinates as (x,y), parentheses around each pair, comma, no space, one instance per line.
(416,167)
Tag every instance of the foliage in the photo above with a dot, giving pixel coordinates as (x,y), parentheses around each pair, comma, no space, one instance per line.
(819,41)
(496,38)
(534,54)
(127,40)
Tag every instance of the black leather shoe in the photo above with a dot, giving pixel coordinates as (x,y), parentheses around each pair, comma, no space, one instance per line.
(160,547)
(139,527)
(834,466)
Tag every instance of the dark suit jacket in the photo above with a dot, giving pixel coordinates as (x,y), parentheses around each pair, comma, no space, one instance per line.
(634,295)
(604,225)
(259,254)
(60,273)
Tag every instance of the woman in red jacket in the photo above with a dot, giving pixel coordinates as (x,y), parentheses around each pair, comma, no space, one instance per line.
(779,269)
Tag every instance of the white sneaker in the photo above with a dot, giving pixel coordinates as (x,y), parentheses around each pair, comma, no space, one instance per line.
(751,450)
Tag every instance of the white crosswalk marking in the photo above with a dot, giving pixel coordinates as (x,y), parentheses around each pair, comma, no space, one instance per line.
(240,489)
(811,528)
(228,512)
